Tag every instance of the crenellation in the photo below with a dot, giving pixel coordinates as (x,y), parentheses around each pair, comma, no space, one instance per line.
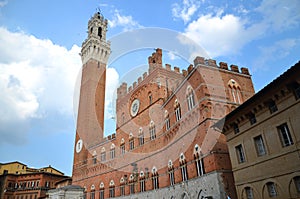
(184,72)
(223,65)
(234,68)
(212,62)
(155,60)
(199,60)
(134,85)
(245,71)
(162,87)
(168,66)
(95,46)
(140,80)
(145,74)
(176,69)
(122,90)
(190,68)
(129,89)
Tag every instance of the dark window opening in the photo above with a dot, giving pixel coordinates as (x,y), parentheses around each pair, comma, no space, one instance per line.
(100,32)
(272,189)
(285,136)
(131,188)
(112,192)
(122,190)
(272,106)
(155,181)
(252,118)
(92,196)
(101,194)
(297,183)
(150,98)
(260,146)
(295,86)
(236,128)
(240,153)
(297,92)
(249,193)
(172,179)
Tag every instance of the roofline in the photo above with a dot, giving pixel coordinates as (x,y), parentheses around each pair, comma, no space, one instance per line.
(13,163)
(33,173)
(291,71)
(52,168)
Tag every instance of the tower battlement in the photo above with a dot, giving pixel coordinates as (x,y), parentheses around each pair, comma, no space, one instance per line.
(95,46)
(155,61)
(222,65)
(123,89)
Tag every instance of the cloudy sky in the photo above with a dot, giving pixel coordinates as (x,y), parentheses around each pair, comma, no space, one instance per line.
(39,62)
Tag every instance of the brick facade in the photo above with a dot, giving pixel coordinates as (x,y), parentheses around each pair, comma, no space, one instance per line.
(163,126)
(29,185)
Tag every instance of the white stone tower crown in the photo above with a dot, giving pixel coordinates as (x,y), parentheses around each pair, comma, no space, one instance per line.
(95,46)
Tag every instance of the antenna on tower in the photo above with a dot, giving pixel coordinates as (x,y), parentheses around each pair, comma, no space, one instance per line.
(98,10)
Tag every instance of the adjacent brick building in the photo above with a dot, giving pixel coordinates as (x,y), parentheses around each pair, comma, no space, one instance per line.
(263,137)
(17,181)
(164,146)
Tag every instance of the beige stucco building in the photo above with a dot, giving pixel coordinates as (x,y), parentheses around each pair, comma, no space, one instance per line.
(263,136)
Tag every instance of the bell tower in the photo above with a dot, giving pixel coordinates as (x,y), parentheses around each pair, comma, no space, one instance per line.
(95,52)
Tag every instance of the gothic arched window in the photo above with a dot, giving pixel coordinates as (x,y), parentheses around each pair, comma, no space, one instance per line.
(190,98)
(152,131)
(235,91)
(177,110)
(141,136)
(167,120)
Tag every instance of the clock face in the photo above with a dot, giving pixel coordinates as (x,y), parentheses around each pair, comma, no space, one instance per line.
(135,107)
(78,146)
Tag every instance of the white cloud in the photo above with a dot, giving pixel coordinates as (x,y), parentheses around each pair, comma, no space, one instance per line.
(3,3)
(172,56)
(127,22)
(186,10)
(218,35)
(36,78)
(112,82)
(276,51)
(279,15)
(226,34)
(241,10)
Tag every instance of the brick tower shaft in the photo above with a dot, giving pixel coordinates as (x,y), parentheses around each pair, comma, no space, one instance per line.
(90,122)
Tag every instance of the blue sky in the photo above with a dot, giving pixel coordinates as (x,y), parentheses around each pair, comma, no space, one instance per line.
(39,61)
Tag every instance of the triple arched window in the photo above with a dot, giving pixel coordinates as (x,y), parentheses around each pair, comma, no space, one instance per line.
(177,110)
(198,160)
(235,91)
(167,121)
(152,131)
(190,98)
(112,151)
(103,154)
(94,157)
(171,172)
(155,178)
(141,136)
(183,167)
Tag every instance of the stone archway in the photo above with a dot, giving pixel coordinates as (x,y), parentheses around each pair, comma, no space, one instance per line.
(185,196)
